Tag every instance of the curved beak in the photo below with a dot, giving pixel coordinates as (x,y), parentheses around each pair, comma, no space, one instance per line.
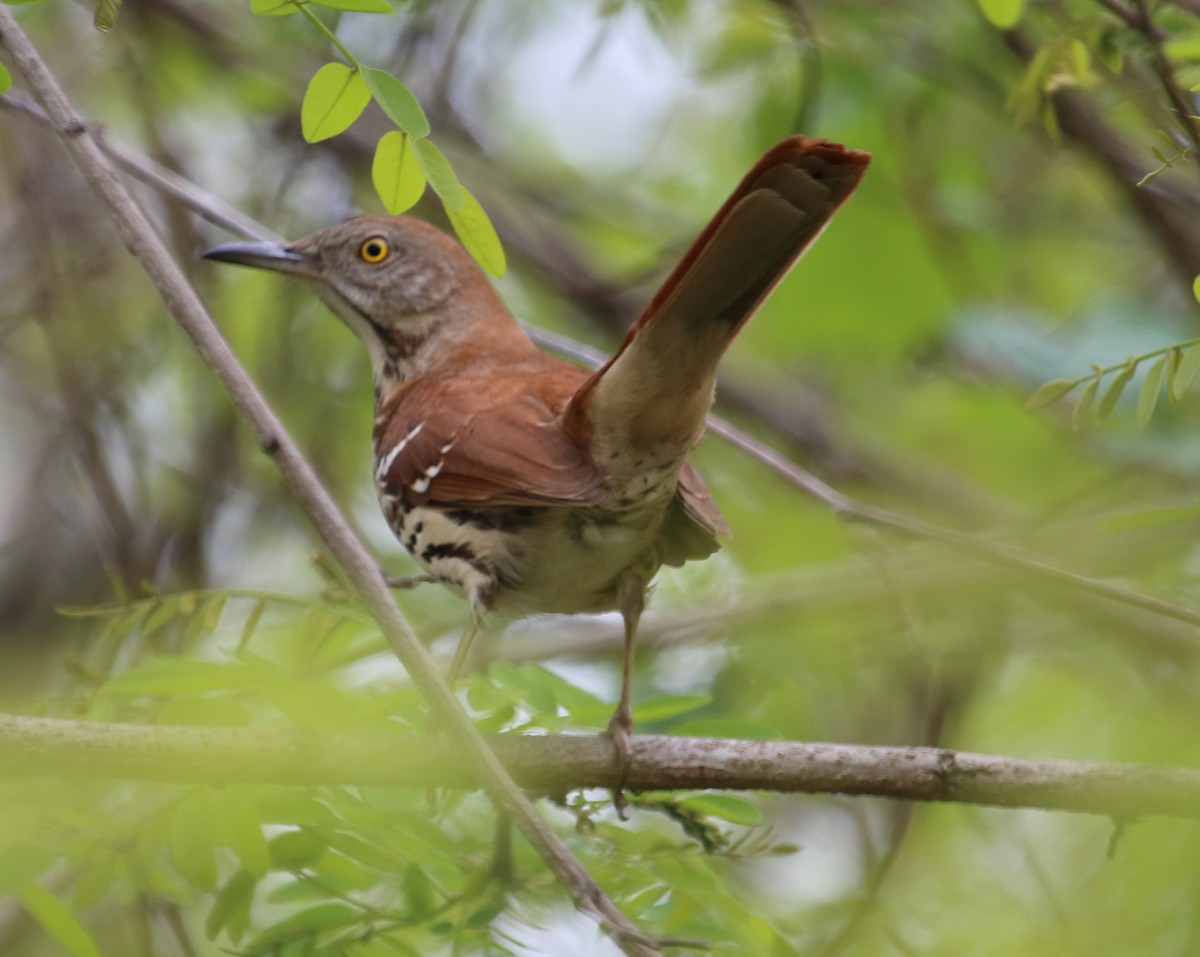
(264,256)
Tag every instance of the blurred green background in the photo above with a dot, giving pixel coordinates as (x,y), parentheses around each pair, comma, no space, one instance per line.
(999,241)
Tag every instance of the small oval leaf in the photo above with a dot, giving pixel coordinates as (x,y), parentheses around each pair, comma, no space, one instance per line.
(1084,405)
(335,98)
(1002,14)
(58,921)
(1189,365)
(1148,396)
(1112,394)
(357,6)
(1050,392)
(1196,281)
(440,174)
(398,177)
(397,102)
(478,235)
(727,807)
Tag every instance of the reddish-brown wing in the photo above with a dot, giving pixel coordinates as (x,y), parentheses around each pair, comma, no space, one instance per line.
(497,441)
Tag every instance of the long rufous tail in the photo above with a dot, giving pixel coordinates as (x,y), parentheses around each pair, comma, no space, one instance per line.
(658,387)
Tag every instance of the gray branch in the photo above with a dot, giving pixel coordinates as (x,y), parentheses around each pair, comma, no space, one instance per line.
(554,764)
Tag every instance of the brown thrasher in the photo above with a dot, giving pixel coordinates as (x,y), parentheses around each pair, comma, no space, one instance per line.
(523,482)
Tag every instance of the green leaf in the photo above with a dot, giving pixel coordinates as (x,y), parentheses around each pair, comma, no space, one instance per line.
(1049,392)
(5,79)
(478,235)
(358,6)
(231,910)
(669,706)
(1185,373)
(726,807)
(727,728)
(306,923)
(1113,393)
(1002,14)
(189,838)
(397,102)
(335,98)
(397,175)
(273,8)
(1150,518)
(105,16)
(1196,281)
(294,849)
(241,831)
(20,863)
(1148,397)
(440,174)
(1084,405)
(58,921)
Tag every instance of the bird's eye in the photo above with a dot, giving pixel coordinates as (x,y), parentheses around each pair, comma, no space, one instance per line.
(374,250)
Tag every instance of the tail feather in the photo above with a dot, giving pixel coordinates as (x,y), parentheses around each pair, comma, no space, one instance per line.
(656,390)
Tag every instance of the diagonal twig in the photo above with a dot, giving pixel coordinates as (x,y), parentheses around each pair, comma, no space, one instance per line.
(140,238)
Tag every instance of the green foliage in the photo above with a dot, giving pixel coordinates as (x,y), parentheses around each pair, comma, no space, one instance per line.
(5,79)
(336,97)
(1176,366)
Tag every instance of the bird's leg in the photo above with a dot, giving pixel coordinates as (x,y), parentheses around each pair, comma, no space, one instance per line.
(631,599)
(464,646)
(408,581)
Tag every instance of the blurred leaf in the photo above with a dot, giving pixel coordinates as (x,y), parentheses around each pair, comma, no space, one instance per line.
(669,706)
(736,728)
(190,840)
(1150,518)
(440,174)
(306,923)
(725,807)
(1148,396)
(419,891)
(335,98)
(1084,405)
(1185,373)
(295,849)
(1002,14)
(1048,393)
(230,911)
(1196,288)
(105,15)
(58,921)
(273,8)
(359,6)
(1112,393)
(397,102)
(6,80)
(398,177)
(478,235)
(241,831)
(20,863)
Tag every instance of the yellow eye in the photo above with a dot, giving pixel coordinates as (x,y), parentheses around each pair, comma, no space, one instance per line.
(374,250)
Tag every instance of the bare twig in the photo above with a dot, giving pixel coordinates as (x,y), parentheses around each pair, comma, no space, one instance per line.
(50,746)
(139,237)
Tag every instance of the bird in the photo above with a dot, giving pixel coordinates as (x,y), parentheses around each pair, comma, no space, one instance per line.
(525,483)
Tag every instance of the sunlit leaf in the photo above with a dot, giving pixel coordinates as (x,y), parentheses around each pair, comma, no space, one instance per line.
(1002,14)
(398,177)
(1196,283)
(335,98)
(478,235)
(397,102)
(1148,396)
(440,174)
(58,921)
(726,807)
(1049,392)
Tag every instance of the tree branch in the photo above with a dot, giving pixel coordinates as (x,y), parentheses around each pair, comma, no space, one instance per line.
(558,763)
(140,238)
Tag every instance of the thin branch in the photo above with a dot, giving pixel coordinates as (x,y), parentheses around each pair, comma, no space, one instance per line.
(140,238)
(556,763)
(1182,109)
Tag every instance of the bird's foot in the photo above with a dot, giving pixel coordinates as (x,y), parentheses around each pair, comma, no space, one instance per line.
(408,581)
(620,729)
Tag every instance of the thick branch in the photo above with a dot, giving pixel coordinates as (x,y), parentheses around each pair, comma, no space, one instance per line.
(558,763)
(140,238)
